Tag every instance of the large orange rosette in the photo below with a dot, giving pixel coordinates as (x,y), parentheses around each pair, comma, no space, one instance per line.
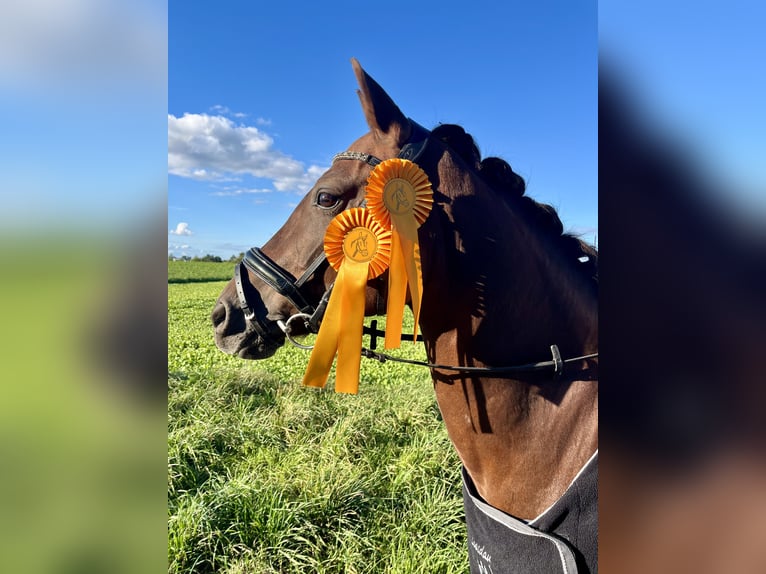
(399,195)
(359,249)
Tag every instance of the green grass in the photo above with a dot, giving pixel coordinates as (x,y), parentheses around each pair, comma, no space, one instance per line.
(199,271)
(266,476)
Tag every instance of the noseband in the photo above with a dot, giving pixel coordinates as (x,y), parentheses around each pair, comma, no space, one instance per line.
(284,282)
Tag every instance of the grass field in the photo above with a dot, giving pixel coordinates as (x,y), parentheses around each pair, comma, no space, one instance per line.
(265,476)
(199,271)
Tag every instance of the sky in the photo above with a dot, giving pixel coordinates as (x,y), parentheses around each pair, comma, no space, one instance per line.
(82,108)
(88,90)
(261,96)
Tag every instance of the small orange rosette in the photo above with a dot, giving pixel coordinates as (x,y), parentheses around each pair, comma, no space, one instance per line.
(400,197)
(359,249)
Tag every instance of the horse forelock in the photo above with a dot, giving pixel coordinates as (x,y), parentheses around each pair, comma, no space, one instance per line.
(501,178)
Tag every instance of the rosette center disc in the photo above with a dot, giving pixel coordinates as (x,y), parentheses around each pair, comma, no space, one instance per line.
(360,245)
(399,196)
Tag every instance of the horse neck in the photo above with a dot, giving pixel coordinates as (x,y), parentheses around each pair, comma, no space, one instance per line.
(497,294)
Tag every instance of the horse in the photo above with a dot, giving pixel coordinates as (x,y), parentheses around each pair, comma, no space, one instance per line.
(502,286)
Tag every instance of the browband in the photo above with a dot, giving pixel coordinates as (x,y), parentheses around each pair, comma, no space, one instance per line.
(411,151)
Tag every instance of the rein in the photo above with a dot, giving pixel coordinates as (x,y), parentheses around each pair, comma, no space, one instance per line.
(284,283)
(557,363)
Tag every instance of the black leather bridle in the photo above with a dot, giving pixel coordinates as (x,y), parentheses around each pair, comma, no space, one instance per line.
(284,282)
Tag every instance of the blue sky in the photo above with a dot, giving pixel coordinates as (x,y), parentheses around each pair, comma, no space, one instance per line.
(86,89)
(261,95)
(82,110)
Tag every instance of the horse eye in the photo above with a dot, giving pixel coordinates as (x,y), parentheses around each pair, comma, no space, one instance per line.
(327,200)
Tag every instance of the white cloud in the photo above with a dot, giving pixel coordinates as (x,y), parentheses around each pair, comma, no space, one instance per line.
(226,111)
(181,229)
(219,109)
(302,182)
(235,191)
(206,147)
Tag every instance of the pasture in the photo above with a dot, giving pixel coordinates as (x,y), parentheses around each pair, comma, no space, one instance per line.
(265,476)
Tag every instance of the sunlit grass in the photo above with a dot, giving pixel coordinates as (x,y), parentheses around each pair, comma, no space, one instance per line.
(267,476)
(199,271)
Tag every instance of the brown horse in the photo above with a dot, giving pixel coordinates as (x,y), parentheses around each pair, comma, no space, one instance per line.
(501,284)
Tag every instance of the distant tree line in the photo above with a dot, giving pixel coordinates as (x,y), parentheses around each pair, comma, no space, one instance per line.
(208,257)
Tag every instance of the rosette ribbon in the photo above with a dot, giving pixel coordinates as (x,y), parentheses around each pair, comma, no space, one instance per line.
(358,248)
(399,196)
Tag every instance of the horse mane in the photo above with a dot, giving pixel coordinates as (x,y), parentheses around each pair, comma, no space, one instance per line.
(501,178)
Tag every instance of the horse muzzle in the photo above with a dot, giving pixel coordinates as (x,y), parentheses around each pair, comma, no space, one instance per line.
(247,328)
(248,339)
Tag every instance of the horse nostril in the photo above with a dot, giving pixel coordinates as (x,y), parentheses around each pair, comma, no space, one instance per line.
(219,314)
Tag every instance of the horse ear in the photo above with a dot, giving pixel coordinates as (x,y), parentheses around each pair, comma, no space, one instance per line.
(382,114)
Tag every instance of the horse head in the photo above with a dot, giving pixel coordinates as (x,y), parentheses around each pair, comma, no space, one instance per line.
(255,308)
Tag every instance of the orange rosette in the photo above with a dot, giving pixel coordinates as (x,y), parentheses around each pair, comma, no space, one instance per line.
(371,243)
(400,197)
(359,249)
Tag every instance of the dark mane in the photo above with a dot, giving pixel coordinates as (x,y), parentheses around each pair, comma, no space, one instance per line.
(501,177)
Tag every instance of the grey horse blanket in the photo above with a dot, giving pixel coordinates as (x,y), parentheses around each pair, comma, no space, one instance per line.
(563,539)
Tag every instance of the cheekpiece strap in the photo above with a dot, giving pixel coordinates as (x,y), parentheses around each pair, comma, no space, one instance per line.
(417,142)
